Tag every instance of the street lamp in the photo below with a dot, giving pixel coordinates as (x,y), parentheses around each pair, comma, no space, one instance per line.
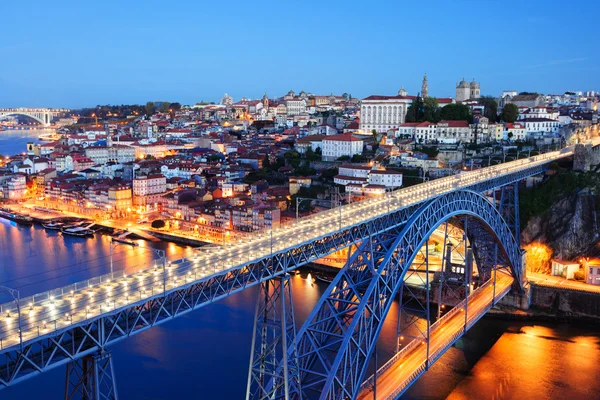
(14,293)
(113,244)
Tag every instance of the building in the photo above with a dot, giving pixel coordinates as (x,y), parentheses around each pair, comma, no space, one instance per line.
(566,269)
(383,113)
(117,153)
(387,178)
(592,271)
(467,91)
(540,126)
(425,87)
(148,190)
(528,100)
(515,131)
(295,106)
(454,132)
(337,146)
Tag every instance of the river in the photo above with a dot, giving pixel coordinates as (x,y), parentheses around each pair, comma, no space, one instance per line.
(204,354)
(14,141)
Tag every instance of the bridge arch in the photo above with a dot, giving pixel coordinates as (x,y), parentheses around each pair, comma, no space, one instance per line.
(337,341)
(42,118)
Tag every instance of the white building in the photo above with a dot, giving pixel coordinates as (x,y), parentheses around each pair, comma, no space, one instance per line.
(425,132)
(390,179)
(150,184)
(295,106)
(383,113)
(540,126)
(337,146)
(466,91)
(515,131)
(117,153)
(454,132)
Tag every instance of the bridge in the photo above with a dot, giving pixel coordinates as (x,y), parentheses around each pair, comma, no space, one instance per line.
(328,357)
(42,115)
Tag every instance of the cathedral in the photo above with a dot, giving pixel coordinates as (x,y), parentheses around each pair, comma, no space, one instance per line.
(467,91)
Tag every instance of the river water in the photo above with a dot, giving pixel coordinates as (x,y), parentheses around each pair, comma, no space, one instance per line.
(204,354)
(14,141)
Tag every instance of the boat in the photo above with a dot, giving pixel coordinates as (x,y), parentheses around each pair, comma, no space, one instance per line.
(77,231)
(19,218)
(54,225)
(323,278)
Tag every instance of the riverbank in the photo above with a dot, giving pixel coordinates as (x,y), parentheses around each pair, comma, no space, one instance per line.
(550,303)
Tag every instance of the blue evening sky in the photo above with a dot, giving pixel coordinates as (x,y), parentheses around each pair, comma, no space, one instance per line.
(83,53)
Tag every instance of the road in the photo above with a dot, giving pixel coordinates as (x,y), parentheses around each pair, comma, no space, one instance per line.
(406,368)
(560,282)
(60,308)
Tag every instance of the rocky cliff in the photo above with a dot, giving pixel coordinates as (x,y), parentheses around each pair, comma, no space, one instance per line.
(569,227)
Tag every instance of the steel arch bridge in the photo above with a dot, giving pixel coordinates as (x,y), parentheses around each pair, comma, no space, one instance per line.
(74,325)
(42,115)
(337,341)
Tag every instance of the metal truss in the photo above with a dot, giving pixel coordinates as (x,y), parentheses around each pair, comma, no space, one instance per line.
(509,207)
(337,341)
(59,346)
(91,378)
(274,333)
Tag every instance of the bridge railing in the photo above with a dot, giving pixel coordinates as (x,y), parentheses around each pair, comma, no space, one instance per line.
(416,342)
(372,208)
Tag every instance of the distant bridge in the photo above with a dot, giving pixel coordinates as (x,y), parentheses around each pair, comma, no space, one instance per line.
(42,115)
(329,356)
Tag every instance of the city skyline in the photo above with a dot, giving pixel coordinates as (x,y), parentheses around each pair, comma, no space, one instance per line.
(198,52)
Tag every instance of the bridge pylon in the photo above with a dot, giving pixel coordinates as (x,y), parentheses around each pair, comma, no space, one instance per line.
(91,378)
(273,371)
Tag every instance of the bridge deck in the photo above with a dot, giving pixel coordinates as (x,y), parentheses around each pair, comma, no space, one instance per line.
(46,313)
(408,364)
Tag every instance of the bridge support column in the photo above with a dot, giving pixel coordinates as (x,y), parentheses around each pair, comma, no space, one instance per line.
(91,378)
(273,340)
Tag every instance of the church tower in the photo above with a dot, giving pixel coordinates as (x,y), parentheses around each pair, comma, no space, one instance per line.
(402,92)
(265,102)
(425,87)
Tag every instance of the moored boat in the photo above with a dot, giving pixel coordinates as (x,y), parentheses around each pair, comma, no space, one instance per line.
(54,225)
(323,278)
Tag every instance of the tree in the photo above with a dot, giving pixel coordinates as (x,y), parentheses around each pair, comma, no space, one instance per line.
(266,163)
(431,110)
(175,106)
(150,108)
(414,112)
(456,112)
(158,224)
(311,155)
(164,107)
(491,108)
(510,113)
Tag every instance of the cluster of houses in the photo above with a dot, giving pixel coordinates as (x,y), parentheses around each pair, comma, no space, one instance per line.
(190,165)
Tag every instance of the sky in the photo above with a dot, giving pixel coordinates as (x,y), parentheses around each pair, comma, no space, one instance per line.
(83,53)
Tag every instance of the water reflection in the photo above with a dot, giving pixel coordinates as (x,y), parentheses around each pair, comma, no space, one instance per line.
(205,354)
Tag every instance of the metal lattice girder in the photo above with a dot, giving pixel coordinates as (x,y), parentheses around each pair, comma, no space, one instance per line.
(337,341)
(91,378)
(274,334)
(70,340)
(509,207)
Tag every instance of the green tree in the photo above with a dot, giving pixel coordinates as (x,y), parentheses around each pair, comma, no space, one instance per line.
(150,108)
(491,108)
(164,107)
(415,110)
(431,110)
(311,155)
(456,112)
(266,163)
(510,113)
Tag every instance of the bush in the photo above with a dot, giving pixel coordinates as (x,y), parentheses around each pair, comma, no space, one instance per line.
(158,224)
